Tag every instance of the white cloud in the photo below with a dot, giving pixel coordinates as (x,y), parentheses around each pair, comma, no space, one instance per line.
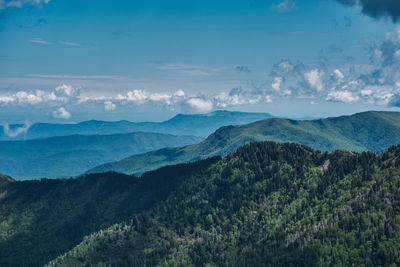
(286,66)
(5,99)
(38,41)
(66,90)
(202,105)
(61,94)
(137,96)
(140,97)
(284,6)
(342,96)
(314,79)
(12,133)
(179,93)
(109,106)
(339,75)
(366,92)
(61,113)
(268,99)
(68,43)
(21,97)
(19,3)
(238,96)
(276,85)
(224,100)
(24,97)
(160,97)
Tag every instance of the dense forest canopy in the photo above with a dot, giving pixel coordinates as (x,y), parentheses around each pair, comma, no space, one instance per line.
(267,204)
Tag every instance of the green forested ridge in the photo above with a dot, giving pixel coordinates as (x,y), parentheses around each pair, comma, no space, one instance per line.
(267,204)
(66,156)
(42,219)
(368,131)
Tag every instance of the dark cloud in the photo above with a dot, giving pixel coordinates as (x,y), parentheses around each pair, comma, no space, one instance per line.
(377,8)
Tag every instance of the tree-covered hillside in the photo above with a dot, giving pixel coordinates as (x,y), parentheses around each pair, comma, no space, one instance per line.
(267,204)
(367,131)
(66,156)
(42,219)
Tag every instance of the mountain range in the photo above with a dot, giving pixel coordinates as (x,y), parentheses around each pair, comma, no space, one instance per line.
(66,156)
(267,204)
(194,125)
(368,131)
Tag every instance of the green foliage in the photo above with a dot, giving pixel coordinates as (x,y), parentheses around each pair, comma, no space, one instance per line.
(359,132)
(267,204)
(42,219)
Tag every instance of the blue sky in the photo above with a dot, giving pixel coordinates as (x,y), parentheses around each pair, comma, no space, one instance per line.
(69,60)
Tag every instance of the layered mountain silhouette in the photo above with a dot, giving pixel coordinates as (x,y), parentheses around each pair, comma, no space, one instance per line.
(266,204)
(66,156)
(182,124)
(368,131)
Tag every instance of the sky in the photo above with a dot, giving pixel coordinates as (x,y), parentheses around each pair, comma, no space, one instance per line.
(72,60)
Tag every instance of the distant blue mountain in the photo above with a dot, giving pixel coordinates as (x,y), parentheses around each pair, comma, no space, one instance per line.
(195,125)
(66,156)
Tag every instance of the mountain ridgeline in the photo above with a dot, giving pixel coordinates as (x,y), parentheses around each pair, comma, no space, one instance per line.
(367,131)
(41,219)
(66,156)
(267,204)
(200,125)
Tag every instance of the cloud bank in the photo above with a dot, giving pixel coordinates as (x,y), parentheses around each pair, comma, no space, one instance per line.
(376,82)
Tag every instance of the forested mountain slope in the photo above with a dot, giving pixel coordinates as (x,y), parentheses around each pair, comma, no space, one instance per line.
(42,219)
(267,204)
(374,131)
